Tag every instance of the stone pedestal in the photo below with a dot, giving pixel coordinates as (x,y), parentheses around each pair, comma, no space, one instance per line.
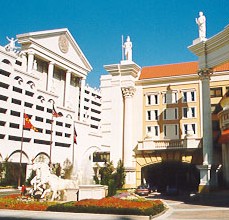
(130,181)
(205,176)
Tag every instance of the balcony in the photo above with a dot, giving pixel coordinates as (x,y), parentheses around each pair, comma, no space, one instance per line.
(189,143)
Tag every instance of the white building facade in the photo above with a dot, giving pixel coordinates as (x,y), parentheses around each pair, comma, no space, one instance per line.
(48,72)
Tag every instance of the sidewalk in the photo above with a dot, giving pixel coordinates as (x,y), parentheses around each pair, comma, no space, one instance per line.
(39,215)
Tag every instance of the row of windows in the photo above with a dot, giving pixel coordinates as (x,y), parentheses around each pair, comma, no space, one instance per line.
(171,130)
(171,113)
(187,96)
(37,118)
(36,141)
(170,97)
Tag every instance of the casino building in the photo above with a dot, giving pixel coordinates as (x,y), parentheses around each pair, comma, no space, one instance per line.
(47,73)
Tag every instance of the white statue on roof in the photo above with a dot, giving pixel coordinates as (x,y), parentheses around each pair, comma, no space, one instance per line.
(11,47)
(201,22)
(128,49)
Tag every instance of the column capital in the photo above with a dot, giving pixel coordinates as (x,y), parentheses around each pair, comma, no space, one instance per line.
(128,91)
(205,72)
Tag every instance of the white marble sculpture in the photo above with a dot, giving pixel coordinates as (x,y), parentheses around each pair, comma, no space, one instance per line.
(201,22)
(128,49)
(11,45)
(45,182)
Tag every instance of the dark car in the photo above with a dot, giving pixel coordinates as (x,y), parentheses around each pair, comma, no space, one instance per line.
(142,190)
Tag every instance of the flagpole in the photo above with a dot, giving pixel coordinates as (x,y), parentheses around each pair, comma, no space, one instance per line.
(51,137)
(73,144)
(22,140)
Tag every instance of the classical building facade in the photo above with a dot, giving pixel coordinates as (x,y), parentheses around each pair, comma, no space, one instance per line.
(47,73)
(162,121)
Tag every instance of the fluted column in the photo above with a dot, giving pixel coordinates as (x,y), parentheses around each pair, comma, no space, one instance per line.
(67,87)
(50,76)
(30,61)
(128,93)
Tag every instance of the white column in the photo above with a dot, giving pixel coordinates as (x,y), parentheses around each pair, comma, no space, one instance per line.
(82,86)
(30,61)
(128,125)
(67,87)
(50,76)
(206,116)
(207,174)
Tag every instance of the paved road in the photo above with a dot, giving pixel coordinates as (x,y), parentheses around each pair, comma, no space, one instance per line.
(213,206)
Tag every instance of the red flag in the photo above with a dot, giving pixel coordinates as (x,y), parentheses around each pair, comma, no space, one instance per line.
(28,124)
(75,135)
(55,113)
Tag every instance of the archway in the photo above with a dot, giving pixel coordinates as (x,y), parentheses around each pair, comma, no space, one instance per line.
(183,176)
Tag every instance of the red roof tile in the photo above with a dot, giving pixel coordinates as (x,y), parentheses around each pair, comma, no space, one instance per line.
(176,69)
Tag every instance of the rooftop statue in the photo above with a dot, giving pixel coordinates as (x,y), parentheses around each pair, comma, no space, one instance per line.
(128,49)
(11,45)
(201,22)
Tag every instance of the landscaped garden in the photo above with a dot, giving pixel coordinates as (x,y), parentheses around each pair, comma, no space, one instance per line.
(122,204)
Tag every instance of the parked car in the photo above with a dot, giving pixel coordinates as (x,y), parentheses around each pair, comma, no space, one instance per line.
(142,190)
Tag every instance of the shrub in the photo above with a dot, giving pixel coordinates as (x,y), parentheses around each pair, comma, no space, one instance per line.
(111,205)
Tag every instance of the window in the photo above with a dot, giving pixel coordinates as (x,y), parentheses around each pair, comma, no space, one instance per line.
(193,96)
(148,129)
(3,98)
(189,127)
(4,85)
(16,101)
(101,156)
(13,125)
(193,112)
(16,89)
(152,99)
(29,105)
(3,110)
(184,98)
(67,125)
(39,119)
(67,135)
(40,108)
(156,129)
(74,81)
(58,133)
(14,113)
(189,112)
(28,93)
(149,117)
(216,92)
(59,123)
(185,112)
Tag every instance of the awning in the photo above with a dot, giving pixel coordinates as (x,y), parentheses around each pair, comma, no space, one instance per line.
(224,138)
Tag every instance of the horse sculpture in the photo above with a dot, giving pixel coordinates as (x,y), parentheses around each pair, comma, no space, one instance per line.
(46,182)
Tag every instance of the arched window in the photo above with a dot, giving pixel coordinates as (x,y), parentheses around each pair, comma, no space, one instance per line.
(41,98)
(7,62)
(19,79)
(31,83)
(51,101)
(69,116)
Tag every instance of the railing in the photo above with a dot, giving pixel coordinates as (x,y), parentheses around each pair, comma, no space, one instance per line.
(190,143)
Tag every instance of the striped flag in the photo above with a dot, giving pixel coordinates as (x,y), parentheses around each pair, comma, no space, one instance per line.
(28,124)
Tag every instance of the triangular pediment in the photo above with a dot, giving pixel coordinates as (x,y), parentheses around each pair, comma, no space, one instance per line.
(59,44)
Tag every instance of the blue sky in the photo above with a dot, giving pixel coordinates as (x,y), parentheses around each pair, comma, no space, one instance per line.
(160,30)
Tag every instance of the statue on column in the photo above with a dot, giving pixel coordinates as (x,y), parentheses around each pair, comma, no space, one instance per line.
(201,22)
(128,49)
